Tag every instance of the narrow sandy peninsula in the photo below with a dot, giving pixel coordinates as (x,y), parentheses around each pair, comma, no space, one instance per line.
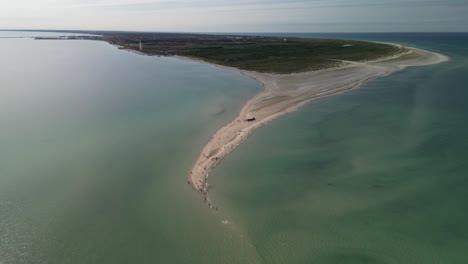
(284,93)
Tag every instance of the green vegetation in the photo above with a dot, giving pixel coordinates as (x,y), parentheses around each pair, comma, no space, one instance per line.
(262,54)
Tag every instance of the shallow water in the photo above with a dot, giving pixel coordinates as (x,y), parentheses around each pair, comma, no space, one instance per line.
(96,144)
(377,175)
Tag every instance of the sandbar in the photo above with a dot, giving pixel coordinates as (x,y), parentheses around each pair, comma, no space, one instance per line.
(285,93)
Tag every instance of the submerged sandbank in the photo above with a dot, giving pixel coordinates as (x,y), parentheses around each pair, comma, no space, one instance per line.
(284,93)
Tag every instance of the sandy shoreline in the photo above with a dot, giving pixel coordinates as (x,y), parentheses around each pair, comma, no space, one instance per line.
(285,93)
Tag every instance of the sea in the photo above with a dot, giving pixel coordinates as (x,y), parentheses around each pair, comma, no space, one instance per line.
(96,144)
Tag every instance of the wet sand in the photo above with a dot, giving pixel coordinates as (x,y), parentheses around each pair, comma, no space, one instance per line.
(285,93)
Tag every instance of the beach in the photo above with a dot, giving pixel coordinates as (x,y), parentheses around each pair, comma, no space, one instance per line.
(96,162)
(285,93)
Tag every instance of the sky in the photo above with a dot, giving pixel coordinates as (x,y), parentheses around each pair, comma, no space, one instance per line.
(238,15)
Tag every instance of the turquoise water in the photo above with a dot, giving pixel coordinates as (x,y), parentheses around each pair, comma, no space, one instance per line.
(378,175)
(96,144)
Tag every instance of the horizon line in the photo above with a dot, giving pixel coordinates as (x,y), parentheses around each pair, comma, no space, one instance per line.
(223,32)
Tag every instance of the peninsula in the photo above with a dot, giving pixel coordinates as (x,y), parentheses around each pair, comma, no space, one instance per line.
(293,71)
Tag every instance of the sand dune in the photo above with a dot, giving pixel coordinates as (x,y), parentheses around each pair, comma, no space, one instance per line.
(286,93)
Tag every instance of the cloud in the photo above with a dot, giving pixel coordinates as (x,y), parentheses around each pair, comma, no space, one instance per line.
(237,15)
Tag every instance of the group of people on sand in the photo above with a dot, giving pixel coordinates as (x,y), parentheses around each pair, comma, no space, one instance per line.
(204,192)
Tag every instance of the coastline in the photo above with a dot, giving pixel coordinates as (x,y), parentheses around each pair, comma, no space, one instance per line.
(285,93)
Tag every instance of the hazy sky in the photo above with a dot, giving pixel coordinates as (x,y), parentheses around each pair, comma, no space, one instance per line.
(237,15)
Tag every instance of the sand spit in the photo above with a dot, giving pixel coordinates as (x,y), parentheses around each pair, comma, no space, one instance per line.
(283,94)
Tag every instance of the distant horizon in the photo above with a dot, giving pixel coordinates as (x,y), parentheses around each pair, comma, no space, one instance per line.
(238,15)
(223,32)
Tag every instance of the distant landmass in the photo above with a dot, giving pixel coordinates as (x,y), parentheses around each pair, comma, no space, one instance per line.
(293,71)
